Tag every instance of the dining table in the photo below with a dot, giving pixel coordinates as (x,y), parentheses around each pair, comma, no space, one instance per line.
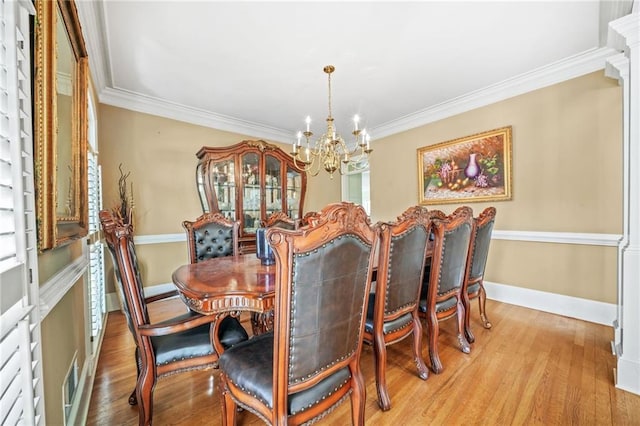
(229,285)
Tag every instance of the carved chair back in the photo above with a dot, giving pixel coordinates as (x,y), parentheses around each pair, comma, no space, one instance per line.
(280,220)
(323,277)
(119,239)
(479,247)
(211,235)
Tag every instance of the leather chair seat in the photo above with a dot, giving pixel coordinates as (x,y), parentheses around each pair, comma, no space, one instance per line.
(473,288)
(390,326)
(440,306)
(249,365)
(195,342)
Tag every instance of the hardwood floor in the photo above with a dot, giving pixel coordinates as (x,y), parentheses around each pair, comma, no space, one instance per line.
(530,368)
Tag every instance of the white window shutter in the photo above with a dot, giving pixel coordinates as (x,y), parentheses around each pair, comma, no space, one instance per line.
(21,390)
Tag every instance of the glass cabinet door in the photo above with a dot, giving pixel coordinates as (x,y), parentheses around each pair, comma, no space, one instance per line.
(250,163)
(202,193)
(224,185)
(294,186)
(273,185)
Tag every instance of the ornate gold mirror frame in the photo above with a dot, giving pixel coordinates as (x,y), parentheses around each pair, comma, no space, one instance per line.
(61,78)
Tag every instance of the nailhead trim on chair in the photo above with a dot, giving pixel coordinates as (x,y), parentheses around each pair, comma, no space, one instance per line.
(323,397)
(297,255)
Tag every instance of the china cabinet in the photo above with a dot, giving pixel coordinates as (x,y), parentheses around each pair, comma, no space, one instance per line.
(248,182)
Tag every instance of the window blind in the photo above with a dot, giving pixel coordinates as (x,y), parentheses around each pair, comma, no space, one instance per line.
(21,390)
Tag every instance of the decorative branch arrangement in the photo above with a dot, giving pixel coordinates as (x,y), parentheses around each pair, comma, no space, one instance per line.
(124,211)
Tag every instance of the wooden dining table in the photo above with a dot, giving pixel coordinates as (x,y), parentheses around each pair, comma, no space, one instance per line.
(231,285)
(227,284)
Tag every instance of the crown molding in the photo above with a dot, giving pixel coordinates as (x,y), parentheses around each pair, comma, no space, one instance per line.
(566,69)
(624,32)
(155,106)
(91,14)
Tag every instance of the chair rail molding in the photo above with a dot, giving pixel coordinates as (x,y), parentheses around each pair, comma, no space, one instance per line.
(160,238)
(55,288)
(589,239)
(531,236)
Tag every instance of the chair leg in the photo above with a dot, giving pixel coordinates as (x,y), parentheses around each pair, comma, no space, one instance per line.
(380,358)
(133,398)
(462,341)
(358,398)
(467,317)
(229,407)
(481,302)
(433,331)
(423,371)
(144,387)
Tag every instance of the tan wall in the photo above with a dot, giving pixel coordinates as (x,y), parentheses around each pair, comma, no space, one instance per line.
(160,154)
(62,335)
(567,175)
(63,329)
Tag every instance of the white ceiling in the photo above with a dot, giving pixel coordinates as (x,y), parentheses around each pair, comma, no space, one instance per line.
(256,67)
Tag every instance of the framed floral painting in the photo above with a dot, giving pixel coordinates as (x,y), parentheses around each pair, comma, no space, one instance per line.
(468,169)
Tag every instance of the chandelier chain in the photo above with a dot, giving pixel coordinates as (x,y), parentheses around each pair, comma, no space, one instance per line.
(330,114)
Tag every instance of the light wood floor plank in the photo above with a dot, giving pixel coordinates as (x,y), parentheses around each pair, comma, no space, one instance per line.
(531,368)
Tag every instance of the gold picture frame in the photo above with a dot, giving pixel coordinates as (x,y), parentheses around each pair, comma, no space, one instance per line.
(469,169)
(60,128)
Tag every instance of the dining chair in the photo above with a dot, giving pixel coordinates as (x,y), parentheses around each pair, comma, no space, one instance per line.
(279,219)
(163,348)
(310,363)
(441,295)
(213,235)
(476,264)
(310,218)
(392,312)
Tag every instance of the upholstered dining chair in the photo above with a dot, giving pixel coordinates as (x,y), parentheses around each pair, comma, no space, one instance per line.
(162,348)
(476,264)
(310,218)
(280,220)
(441,296)
(213,235)
(392,313)
(311,361)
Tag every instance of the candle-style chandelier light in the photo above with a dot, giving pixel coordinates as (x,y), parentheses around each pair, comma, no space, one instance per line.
(330,150)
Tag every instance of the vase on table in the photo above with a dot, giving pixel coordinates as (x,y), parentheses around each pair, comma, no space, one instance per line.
(263,249)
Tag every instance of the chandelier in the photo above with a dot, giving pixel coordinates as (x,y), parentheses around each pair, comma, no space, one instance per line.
(330,149)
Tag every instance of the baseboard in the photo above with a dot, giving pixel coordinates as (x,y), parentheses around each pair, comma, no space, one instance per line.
(573,307)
